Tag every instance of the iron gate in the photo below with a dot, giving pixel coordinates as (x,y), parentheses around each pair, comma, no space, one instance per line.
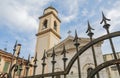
(97,68)
(95,71)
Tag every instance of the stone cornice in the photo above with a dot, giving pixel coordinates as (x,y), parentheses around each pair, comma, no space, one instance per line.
(8,56)
(49,14)
(48,30)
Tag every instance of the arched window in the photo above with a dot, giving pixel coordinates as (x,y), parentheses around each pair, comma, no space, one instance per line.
(55,25)
(89,70)
(45,24)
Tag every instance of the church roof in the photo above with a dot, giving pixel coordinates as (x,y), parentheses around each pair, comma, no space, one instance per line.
(71,38)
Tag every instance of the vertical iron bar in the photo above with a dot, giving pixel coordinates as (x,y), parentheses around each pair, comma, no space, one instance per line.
(20,69)
(64,58)
(64,68)
(94,57)
(27,66)
(90,34)
(27,69)
(35,65)
(43,64)
(53,62)
(106,27)
(53,66)
(20,72)
(78,60)
(43,68)
(34,71)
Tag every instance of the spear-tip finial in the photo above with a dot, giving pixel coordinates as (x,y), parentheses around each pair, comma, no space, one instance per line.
(64,50)
(44,56)
(15,44)
(76,36)
(28,61)
(35,59)
(104,19)
(53,54)
(89,28)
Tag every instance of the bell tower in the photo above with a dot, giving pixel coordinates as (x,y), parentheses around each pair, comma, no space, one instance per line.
(48,33)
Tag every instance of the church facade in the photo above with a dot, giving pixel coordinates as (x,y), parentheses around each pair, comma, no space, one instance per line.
(48,36)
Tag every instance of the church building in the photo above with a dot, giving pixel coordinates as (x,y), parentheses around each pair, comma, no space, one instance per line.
(48,36)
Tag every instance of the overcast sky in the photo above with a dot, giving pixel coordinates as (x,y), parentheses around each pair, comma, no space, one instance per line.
(19,20)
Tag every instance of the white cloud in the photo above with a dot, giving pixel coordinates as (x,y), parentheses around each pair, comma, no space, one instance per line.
(21,18)
(71,8)
(114,15)
(84,12)
(66,19)
(21,15)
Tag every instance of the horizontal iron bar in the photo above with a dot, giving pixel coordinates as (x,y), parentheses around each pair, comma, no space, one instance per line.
(47,75)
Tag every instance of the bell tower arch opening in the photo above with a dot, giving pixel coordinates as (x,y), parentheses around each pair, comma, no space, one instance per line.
(45,24)
(55,25)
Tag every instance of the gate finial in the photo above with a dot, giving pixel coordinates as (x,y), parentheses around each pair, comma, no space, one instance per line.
(15,47)
(53,54)
(76,39)
(44,56)
(35,57)
(76,36)
(64,50)
(64,54)
(89,30)
(104,20)
(28,61)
